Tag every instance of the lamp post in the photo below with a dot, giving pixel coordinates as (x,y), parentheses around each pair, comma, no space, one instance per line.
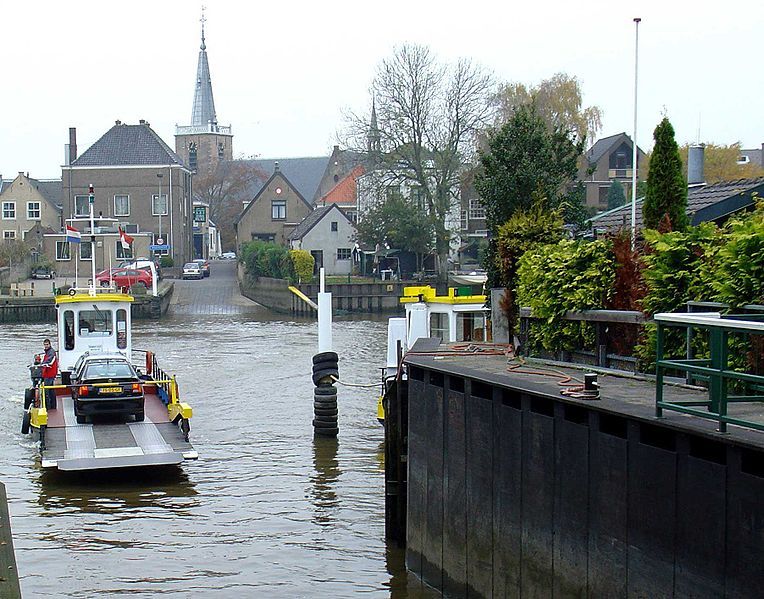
(159,204)
(634,142)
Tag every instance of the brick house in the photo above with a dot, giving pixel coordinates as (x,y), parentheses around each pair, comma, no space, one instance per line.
(27,202)
(140,183)
(611,159)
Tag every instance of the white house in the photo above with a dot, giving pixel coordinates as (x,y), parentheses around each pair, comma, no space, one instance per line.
(328,235)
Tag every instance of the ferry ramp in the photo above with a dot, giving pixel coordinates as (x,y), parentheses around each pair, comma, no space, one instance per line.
(217,294)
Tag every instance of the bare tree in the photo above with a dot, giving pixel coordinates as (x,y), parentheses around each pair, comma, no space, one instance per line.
(429,115)
(225,190)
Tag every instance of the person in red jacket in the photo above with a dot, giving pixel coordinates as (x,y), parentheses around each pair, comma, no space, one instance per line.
(49,372)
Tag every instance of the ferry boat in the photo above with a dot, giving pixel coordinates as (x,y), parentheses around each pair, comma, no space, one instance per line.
(460,316)
(114,406)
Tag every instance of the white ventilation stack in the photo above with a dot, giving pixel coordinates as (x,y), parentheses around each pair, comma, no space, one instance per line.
(695,157)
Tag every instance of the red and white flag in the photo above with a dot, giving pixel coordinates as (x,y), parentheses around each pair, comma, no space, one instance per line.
(125,239)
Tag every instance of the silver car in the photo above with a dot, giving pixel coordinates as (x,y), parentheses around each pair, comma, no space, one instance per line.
(191,270)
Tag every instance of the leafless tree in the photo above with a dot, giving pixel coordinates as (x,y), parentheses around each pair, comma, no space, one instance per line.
(428,117)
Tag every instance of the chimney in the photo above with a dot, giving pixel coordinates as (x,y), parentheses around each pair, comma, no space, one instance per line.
(70,153)
(762,154)
(142,122)
(276,167)
(695,157)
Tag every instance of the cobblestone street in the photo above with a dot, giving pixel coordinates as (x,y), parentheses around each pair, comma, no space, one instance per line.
(216,294)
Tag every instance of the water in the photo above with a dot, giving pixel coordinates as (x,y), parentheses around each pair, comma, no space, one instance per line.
(267,511)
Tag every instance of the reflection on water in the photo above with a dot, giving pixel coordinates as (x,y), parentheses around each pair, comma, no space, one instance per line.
(266,511)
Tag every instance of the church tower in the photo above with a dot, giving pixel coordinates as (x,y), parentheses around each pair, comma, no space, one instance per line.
(374,138)
(203,143)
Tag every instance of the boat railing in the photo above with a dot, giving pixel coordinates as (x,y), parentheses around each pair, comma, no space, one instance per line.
(721,378)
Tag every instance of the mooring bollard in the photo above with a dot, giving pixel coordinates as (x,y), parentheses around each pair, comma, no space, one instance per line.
(325,370)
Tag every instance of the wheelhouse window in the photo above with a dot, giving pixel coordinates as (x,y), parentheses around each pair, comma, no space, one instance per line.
(63,251)
(33,210)
(470,326)
(343,253)
(95,323)
(439,325)
(9,210)
(121,205)
(68,329)
(121,329)
(159,204)
(86,250)
(278,209)
(81,206)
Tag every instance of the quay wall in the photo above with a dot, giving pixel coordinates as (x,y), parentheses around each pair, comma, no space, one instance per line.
(43,308)
(351,297)
(512,493)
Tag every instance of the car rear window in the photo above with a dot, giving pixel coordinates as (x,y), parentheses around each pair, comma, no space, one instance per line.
(99,370)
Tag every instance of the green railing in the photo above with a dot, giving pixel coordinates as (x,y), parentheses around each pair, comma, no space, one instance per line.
(715,370)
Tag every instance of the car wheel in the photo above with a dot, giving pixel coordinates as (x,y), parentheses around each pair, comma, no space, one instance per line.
(140,416)
(81,419)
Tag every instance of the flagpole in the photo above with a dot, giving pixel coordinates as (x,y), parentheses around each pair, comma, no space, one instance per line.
(91,201)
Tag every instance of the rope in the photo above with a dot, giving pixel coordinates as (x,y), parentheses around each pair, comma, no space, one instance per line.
(574,390)
(358,385)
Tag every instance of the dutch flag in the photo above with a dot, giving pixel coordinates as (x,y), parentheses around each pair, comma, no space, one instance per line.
(73,235)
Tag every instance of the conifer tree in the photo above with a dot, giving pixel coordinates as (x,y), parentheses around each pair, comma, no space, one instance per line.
(615,195)
(665,205)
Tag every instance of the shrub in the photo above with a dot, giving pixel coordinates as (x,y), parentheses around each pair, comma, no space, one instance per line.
(166,262)
(303,264)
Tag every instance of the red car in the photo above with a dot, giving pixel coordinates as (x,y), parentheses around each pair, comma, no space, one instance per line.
(125,278)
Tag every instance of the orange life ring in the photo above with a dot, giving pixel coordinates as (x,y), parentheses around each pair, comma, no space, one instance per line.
(149,362)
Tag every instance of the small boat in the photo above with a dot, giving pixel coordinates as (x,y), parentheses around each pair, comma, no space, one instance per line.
(112,406)
(460,316)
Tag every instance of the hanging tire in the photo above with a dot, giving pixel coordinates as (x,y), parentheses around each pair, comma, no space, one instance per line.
(324,375)
(325,356)
(324,423)
(324,364)
(325,412)
(25,423)
(325,390)
(28,398)
(325,406)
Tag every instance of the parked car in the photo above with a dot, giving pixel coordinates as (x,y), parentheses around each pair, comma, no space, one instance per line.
(43,272)
(144,264)
(125,278)
(191,270)
(106,384)
(228,256)
(204,265)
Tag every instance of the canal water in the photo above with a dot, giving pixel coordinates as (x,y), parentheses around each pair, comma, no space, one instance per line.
(266,511)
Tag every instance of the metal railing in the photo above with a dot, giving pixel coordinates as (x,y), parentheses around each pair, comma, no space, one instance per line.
(714,370)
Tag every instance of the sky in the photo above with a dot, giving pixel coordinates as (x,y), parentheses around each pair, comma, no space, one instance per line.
(284,73)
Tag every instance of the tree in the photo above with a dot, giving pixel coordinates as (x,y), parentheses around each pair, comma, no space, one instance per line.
(665,204)
(225,189)
(398,223)
(429,115)
(558,100)
(615,195)
(525,159)
(720,163)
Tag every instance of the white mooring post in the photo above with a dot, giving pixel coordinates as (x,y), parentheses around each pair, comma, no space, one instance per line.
(324,317)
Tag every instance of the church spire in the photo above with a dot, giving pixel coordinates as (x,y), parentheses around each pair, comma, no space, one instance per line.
(374,138)
(203,113)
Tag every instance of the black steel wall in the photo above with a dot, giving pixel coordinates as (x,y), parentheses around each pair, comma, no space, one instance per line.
(511,494)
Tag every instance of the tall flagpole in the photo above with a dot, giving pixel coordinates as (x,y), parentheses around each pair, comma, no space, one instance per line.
(634,141)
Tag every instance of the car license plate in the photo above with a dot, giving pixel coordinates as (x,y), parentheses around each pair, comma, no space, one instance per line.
(111,389)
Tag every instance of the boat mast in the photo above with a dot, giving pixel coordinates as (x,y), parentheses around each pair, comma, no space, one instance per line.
(91,201)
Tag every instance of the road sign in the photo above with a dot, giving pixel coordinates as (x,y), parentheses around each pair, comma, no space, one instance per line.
(160,240)
(159,248)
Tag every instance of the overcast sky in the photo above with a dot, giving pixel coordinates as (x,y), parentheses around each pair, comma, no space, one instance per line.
(282,72)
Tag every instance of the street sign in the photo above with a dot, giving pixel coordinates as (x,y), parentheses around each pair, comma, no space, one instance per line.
(160,241)
(159,248)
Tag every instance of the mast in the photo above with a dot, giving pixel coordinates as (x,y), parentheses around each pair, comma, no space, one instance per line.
(91,201)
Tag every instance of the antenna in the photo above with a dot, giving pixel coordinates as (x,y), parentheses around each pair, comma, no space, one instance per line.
(698,128)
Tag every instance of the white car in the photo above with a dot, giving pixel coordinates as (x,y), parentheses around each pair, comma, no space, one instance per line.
(191,270)
(228,256)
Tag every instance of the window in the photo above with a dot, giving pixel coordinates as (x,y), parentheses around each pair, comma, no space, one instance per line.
(121,205)
(352,215)
(9,235)
(464,223)
(121,329)
(221,151)
(9,210)
(86,250)
(63,251)
(393,192)
(334,226)
(192,155)
(470,326)
(417,197)
(68,329)
(81,206)
(439,325)
(343,253)
(94,323)
(476,209)
(123,253)
(33,210)
(159,204)
(278,209)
